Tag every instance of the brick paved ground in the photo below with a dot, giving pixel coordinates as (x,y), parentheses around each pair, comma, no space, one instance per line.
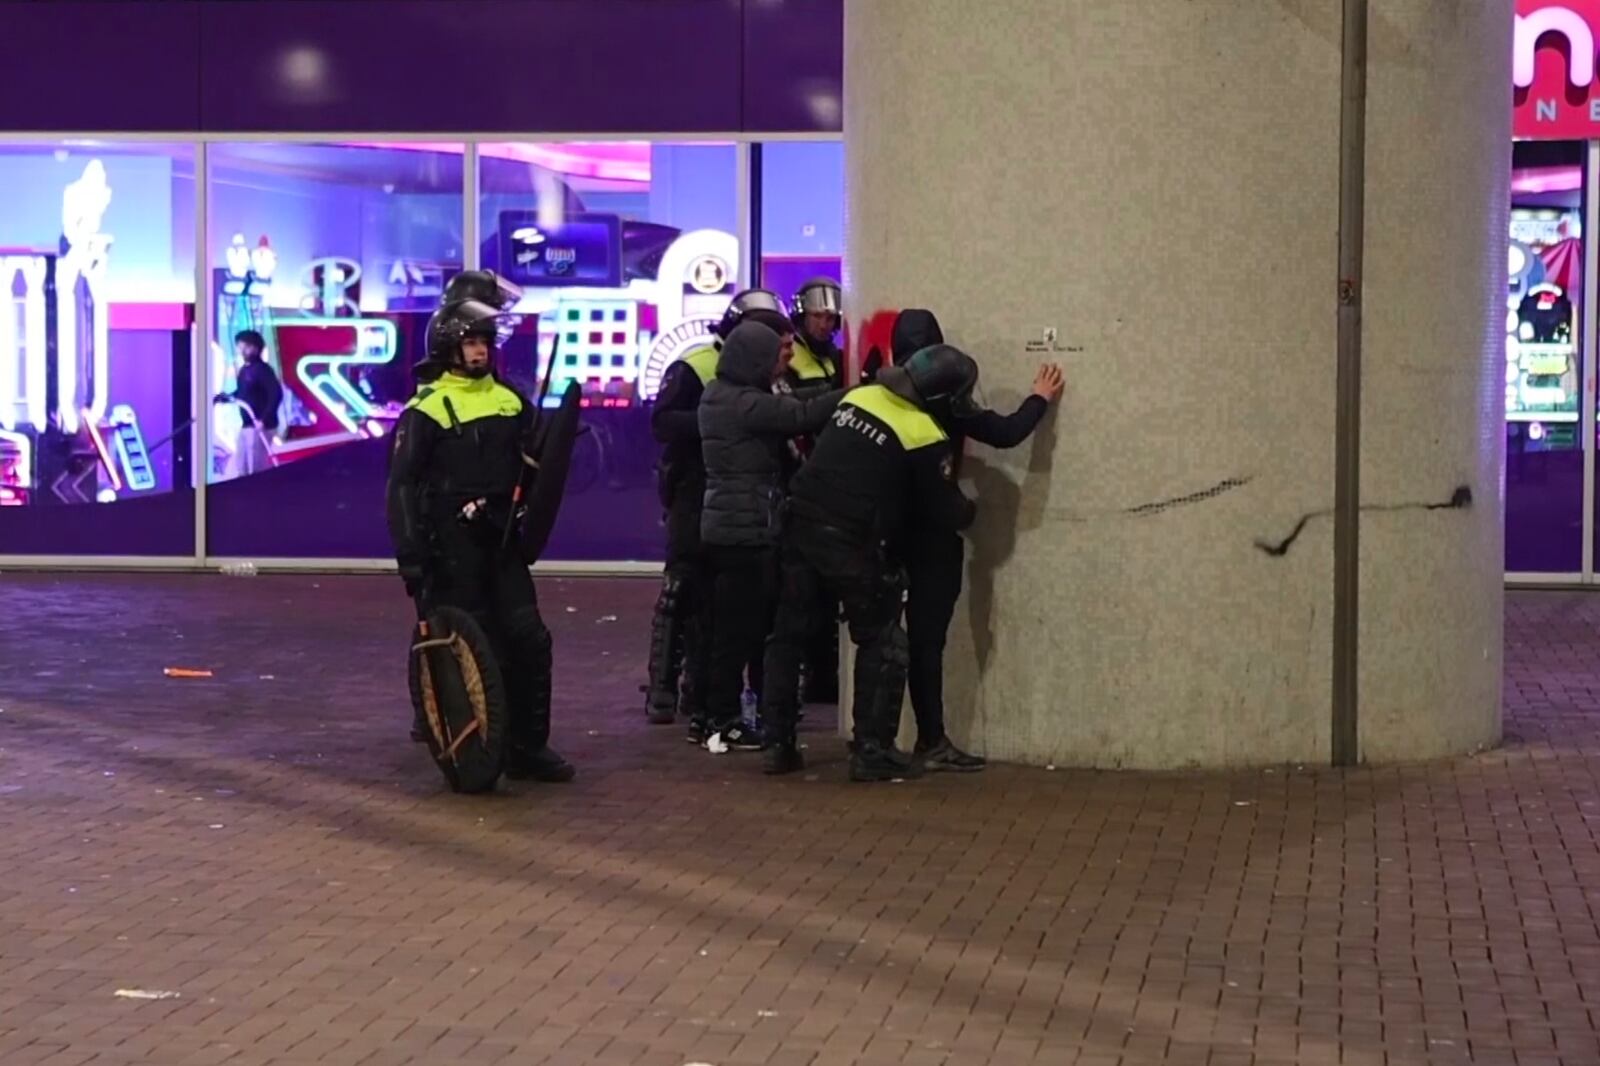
(268,846)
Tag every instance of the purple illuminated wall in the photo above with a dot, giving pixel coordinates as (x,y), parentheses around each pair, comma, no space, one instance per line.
(396,65)
(330,506)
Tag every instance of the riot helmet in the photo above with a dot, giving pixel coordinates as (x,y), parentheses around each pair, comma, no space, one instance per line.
(757,305)
(818,296)
(484,286)
(456,322)
(944,379)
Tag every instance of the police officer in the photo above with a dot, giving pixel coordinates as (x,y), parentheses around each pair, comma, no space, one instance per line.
(816,311)
(817,365)
(933,557)
(680,631)
(882,467)
(457,457)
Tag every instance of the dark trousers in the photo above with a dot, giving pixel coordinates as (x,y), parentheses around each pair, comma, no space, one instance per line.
(819,564)
(822,654)
(680,630)
(743,593)
(934,568)
(472,572)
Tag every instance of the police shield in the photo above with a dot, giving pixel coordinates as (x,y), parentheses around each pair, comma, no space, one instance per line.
(460,698)
(553,458)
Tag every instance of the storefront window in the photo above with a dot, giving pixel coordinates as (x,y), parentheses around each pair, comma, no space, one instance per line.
(627,253)
(96,306)
(802,213)
(1544,363)
(328,259)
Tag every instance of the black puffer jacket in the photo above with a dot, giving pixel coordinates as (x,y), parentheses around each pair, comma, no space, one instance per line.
(743,429)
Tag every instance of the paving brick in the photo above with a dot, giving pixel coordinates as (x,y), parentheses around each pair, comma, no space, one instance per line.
(267,844)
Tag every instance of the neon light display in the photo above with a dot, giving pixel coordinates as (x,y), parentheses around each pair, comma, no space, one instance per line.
(105,455)
(16,465)
(22,351)
(132,454)
(599,343)
(83,206)
(1553,67)
(1563,22)
(698,277)
(323,373)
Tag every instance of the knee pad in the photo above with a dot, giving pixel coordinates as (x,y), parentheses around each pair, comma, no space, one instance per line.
(896,648)
(526,631)
(677,592)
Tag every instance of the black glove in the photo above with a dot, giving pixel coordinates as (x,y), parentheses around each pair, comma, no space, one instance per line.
(873,364)
(416,581)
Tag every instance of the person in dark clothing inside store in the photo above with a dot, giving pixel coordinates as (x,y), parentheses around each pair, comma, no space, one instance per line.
(680,630)
(259,394)
(458,454)
(881,472)
(933,555)
(745,429)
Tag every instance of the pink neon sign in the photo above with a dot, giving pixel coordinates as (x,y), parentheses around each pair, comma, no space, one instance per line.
(1553,55)
(610,160)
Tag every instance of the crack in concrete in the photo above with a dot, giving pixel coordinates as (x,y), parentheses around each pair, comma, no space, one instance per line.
(1460,499)
(1144,510)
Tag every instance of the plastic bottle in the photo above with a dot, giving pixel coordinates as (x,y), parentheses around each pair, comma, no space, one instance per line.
(239,569)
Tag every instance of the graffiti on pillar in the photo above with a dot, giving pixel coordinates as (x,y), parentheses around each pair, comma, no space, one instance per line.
(871,345)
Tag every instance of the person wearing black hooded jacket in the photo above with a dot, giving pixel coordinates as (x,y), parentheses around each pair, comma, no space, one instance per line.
(934,556)
(680,629)
(744,432)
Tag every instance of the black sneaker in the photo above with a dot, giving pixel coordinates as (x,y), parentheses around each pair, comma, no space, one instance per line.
(699,730)
(738,737)
(874,762)
(782,757)
(945,756)
(542,765)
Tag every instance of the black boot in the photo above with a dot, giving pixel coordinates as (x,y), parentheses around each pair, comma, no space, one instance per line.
(660,706)
(782,755)
(871,761)
(542,764)
(666,653)
(945,756)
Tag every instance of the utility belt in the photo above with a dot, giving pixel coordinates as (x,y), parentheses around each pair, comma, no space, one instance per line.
(800,513)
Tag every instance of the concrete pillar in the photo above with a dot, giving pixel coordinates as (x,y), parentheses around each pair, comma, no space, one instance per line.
(1150,583)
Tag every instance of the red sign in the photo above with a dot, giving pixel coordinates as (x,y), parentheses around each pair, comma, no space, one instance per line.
(1553,55)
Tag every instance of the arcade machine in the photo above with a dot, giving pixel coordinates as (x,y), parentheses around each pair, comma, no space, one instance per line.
(627,298)
(1542,365)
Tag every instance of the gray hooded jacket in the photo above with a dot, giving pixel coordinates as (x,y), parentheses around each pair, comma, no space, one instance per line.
(744,427)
